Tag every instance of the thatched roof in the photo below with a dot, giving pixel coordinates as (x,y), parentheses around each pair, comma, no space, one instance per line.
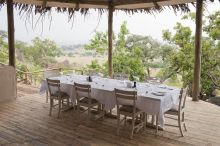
(129,6)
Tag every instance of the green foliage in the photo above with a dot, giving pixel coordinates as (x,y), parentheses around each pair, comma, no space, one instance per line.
(3,54)
(40,52)
(129,63)
(182,35)
(70,54)
(167,35)
(125,60)
(166,51)
(30,57)
(120,44)
(99,43)
(29,67)
(3,34)
(182,60)
(128,60)
(36,76)
(94,65)
(213,26)
(3,47)
(35,56)
(151,50)
(147,44)
(132,54)
(191,16)
(21,68)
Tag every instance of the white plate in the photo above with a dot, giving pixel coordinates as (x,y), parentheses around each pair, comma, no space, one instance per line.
(157,94)
(161,92)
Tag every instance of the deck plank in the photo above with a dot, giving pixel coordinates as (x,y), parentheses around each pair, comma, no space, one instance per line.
(25,121)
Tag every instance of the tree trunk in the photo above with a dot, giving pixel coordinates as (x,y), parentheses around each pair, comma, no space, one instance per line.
(197,63)
(11,33)
(110,22)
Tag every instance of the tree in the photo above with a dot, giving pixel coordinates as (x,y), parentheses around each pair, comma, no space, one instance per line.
(94,67)
(121,41)
(182,60)
(151,49)
(3,47)
(166,51)
(127,60)
(132,54)
(99,43)
(40,52)
(130,63)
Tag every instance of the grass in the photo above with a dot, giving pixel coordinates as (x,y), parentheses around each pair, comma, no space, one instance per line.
(218,93)
(81,61)
(174,84)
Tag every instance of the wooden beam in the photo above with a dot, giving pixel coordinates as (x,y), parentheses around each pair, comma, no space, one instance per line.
(110,22)
(148,4)
(197,63)
(11,33)
(118,4)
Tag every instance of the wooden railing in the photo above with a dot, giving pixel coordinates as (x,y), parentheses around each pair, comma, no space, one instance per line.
(2,63)
(36,76)
(33,77)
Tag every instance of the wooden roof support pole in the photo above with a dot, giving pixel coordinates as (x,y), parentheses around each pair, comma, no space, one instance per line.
(197,63)
(110,37)
(11,33)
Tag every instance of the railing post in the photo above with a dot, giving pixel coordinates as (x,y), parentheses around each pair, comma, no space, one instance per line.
(25,78)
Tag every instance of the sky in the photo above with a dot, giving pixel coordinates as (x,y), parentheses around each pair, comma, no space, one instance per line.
(80,30)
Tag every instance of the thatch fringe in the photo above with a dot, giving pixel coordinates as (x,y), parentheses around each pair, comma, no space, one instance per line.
(42,10)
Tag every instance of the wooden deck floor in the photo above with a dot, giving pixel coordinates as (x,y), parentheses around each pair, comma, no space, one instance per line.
(25,121)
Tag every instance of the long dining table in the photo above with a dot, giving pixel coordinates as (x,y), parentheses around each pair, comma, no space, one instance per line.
(153,99)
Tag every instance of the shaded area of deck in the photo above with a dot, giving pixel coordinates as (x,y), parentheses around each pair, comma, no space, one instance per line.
(25,121)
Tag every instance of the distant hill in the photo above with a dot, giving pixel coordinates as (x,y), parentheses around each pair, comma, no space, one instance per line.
(71,48)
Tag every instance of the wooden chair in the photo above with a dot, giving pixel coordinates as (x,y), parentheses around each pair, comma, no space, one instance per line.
(56,94)
(48,74)
(180,112)
(128,110)
(83,97)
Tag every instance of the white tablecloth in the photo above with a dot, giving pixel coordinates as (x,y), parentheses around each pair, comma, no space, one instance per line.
(103,91)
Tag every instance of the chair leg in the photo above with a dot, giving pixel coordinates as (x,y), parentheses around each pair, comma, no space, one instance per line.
(59,108)
(144,120)
(51,106)
(110,112)
(146,115)
(99,108)
(152,119)
(183,120)
(47,96)
(132,130)
(103,110)
(125,122)
(179,125)
(62,103)
(78,111)
(156,124)
(118,123)
(89,114)
(68,102)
